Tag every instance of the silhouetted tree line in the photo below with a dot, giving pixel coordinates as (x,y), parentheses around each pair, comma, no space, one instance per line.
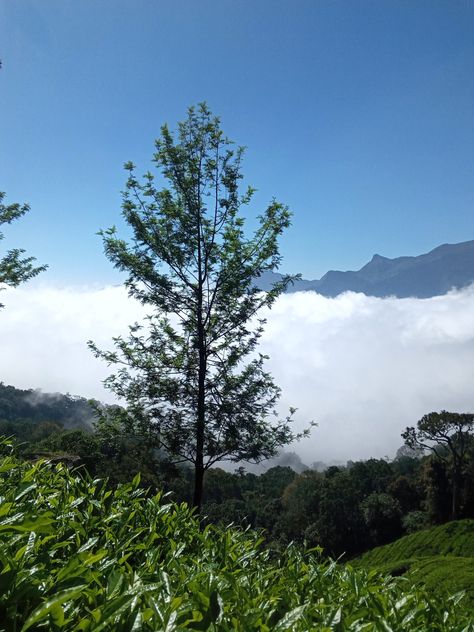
(31,408)
(345,509)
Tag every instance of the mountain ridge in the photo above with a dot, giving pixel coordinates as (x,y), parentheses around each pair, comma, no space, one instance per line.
(446,267)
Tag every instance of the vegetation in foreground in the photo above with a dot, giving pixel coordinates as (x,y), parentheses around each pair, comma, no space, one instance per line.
(77,555)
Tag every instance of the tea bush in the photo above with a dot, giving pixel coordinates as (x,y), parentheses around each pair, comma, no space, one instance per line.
(77,556)
(440,558)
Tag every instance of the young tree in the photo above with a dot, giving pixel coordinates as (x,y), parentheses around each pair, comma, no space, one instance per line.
(448,436)
(14,268)
(187,376)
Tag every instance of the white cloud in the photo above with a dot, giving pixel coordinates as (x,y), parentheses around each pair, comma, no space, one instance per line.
(362,367)
(44,333)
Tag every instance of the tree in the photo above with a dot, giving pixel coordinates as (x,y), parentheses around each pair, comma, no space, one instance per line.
(191,377)
(14,268)
(448,436)
(301,504)
(438,496)
(382,515)
(370,476)
(406,492)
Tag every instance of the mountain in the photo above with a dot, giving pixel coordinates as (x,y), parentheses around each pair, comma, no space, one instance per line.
(432,274)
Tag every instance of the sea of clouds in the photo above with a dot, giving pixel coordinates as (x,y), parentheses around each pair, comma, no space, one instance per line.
(362,367)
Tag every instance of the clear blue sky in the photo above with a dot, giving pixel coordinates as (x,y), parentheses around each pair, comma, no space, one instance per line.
(358,114)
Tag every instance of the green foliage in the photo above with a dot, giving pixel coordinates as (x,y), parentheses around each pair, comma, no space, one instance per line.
(29,432)
(33,407)
(450,437)
(440,558)
(340,521)
(190,376)
(77,556)
(453,538)
(371,476)
(118,459)
(78,443)
(444,575)
(407,492)
(438,490)
(14,268)
(415,521)
(382,515)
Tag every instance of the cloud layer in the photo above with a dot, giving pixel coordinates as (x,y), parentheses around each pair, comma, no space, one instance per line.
(362,367)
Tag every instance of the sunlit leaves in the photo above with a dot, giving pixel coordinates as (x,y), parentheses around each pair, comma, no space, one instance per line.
(123,561)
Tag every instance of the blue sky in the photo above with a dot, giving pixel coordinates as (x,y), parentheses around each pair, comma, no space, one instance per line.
(357,114)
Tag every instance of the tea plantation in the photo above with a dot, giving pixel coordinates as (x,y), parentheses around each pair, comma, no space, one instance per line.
(440,558)
(76,555)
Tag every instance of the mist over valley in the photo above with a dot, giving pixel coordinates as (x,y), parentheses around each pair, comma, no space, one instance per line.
(362,367)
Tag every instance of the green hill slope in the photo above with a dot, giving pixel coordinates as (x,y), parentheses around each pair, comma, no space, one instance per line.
(440,558)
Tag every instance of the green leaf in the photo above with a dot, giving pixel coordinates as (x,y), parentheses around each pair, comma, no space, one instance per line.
(43,610)
(112,611)
(291,618)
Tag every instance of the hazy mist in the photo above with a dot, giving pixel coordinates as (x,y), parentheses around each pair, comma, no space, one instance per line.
(362,367)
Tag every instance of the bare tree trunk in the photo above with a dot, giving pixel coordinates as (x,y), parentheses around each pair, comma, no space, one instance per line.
(201,404)
(198,486)
(456,491)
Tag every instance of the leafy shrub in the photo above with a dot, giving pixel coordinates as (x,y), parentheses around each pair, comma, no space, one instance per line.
(415,521)
(76,556)
(382,515)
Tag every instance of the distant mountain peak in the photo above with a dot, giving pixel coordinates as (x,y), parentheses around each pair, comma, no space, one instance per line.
(377,257)
(447,267)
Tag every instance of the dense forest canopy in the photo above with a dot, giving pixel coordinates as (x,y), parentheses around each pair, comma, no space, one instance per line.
(36,407)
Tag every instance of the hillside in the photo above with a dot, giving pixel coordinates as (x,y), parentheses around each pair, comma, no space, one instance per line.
(36,407)
(440,558)
(431,274)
